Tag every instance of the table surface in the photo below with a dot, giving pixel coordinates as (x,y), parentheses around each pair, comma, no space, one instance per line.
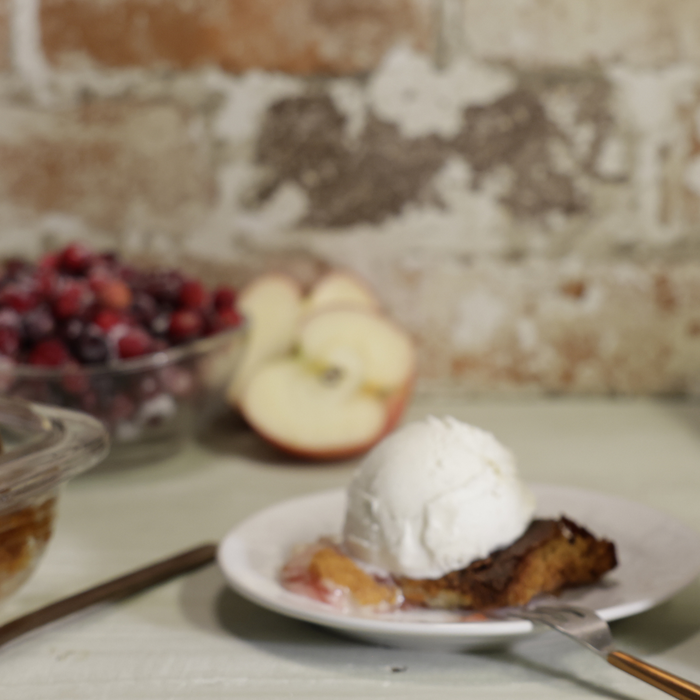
(195,638)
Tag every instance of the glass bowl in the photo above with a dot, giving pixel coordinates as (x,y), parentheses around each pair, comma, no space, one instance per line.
(43,446)
(150,405)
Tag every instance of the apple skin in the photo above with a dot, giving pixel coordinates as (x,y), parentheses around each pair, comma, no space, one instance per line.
(340,297)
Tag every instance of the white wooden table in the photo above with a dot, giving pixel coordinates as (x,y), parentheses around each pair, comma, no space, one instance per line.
(195,638)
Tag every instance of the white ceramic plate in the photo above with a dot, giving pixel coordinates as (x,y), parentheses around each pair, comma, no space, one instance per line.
(657,556)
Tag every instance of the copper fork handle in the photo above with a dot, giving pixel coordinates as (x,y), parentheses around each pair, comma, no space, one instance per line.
(663,680)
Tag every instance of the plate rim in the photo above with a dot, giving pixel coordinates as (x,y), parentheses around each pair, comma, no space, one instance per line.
(492,629)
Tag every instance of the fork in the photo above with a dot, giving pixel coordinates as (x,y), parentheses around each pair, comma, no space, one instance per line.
(587,628)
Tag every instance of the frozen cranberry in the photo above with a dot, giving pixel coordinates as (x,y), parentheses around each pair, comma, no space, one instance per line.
(47,282)
(185,324)
(49,353)
(49,261)
(74,380)
(112,293)
(223,320)
(160,325)
(18,296)
(75,305)
(88,401)
(165,285)
(133,343)
(193,295)
(15,268)
(138,280)
(10,319)
(9,341)
(72,329)
(177,380)
(224,298)
(106,319)
(122,408)
(73,300)
(145,387)
(91,348)
(110,258)
(144,308)
(75,258)
(38,324)
(230,318)
(104,386)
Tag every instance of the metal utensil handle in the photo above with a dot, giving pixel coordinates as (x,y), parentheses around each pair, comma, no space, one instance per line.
(116,589)
(663,680)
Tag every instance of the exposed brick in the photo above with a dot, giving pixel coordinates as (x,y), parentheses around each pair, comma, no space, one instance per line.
(302,140)
(105,163)
(301,37)
(4,34)
(566,32)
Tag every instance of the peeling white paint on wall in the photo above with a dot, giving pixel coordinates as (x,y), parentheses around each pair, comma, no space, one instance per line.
(478,317)
(650,101)
(27,55)
(421,99)
(246,100)
(691,177)
(349,98)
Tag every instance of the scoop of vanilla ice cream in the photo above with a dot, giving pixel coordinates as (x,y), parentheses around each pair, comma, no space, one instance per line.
(434,496)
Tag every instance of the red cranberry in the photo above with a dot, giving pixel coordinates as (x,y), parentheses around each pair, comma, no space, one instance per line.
(73,300)
(185,324)
(74,380)
(75,258)
(47,282)
(145,387)
(20,297)
(230,318)
(49,261)
(72,329)
(144,308)
(138,280)
(106,319)
(110,258)
(165,285)
(105,387)
(15,268)
(112,293)
(122,408)
(9,341)
(91,348)
(160,324)
(49,353)
(10,318)
(176,380)
(224,298)
(134,343)
(38,324)
(227,318)
(89,402)
(193,295)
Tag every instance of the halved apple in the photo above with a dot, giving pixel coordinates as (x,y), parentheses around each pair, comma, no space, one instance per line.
(272,307)
(341,392)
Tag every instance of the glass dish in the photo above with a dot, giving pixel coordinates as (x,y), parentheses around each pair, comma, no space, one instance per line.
(150,405)
(43,447)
